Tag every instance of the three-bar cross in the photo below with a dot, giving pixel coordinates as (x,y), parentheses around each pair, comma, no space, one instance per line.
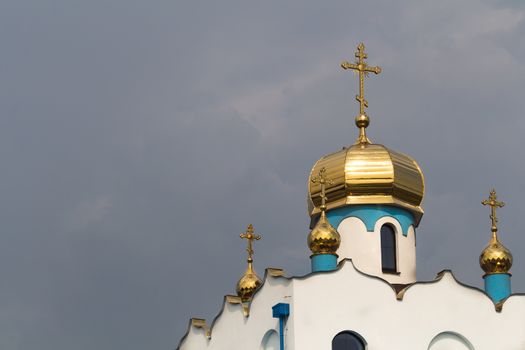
(493,203)
(323,181)
(250,237)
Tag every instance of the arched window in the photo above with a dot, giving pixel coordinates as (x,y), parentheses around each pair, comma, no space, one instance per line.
(347,340)
(388,249)
(270,341)
(450,341)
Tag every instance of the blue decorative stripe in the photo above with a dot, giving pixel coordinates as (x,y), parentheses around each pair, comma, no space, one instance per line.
(324,262)
(497,286)
(370,213)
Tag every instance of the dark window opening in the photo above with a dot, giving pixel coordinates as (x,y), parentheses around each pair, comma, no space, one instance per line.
(388,249)
(347,341)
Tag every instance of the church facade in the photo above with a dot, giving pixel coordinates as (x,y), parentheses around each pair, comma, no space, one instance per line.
(362,293)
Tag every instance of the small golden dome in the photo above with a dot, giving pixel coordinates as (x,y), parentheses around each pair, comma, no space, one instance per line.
(248,284)
(495,258)
(367,173)
(324,238)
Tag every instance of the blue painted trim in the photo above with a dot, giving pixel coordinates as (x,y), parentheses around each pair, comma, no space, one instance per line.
(323,262)
(281,311)
(370,213)
(497,286)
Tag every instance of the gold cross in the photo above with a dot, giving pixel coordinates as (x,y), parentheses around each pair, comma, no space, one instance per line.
(492,201)
(323,180)
(363,69)
(250,236)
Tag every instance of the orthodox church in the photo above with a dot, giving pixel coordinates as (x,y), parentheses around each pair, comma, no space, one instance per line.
(364,202)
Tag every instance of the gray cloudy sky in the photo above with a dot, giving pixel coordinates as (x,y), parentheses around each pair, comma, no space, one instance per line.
(139,138)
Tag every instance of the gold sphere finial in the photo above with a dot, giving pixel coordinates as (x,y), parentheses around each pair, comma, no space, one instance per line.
(360,66)
(495,258)
(249,282)
(324,238)
(362,121)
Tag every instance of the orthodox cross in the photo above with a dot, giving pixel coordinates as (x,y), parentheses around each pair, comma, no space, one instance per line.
(363,69)
(250,237)
(493,203)
(323,181)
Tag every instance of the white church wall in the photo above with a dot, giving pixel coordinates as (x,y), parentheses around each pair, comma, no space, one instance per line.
(232,330)
(326,303)
(513,313)
(222,331)
(347,300)
(324,308)
(195,338)
(364,248)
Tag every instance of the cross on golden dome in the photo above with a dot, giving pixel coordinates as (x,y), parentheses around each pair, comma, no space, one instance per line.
(323,181)
(495,258)
(324,238)
(493,203)
(363,69)
(250,237)
(249,282)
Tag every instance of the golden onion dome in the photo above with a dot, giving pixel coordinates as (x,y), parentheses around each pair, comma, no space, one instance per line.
(324,238)
(248,283)
(367,173)
(495,258)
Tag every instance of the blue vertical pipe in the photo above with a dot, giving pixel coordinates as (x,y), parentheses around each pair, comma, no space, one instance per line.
(281,332)
(281,311)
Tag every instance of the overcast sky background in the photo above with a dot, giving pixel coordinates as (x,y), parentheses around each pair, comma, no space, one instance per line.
(139,138)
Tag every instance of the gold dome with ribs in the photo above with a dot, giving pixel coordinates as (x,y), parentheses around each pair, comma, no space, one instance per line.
(367,173)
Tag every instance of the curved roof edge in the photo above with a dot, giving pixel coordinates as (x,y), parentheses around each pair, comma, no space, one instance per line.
(399,292)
